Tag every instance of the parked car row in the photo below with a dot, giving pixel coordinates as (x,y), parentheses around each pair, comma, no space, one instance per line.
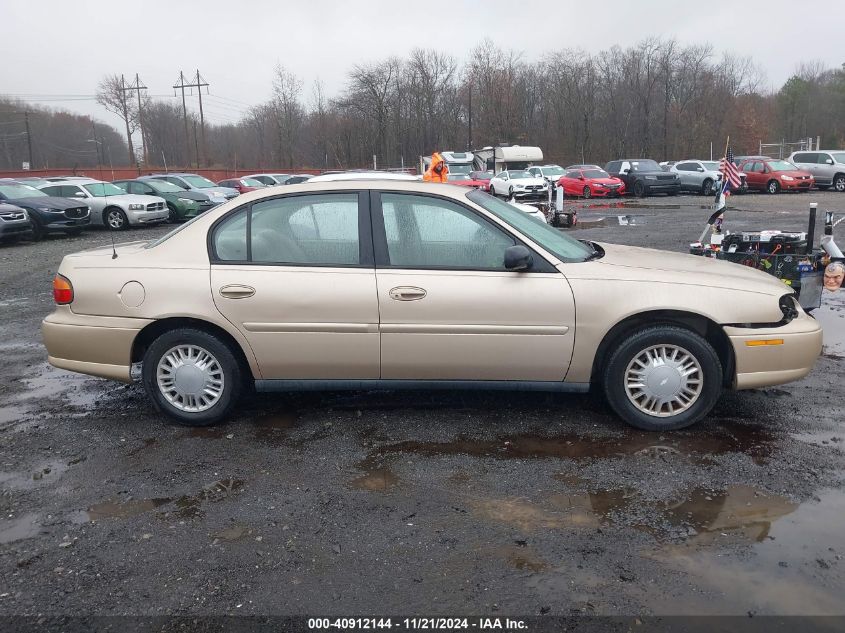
(32,207)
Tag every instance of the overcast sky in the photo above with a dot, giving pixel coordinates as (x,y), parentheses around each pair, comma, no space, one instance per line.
(53,49)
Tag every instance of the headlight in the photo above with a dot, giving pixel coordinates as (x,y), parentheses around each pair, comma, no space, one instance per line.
(651,177)
(787,178)
(788,307)
(519,186)
(186,200)
(136,207)
(598,184)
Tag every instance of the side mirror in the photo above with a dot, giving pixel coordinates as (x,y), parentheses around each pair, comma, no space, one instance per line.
(79,194)
(700,168)
(580,177)
(829,161)
(518,258)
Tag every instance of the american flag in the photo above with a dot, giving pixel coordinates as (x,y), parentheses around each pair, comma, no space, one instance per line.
(730,174)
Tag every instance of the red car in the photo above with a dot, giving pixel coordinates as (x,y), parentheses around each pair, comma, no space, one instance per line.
(243,185)
(773,176)
(592,182)
(477,179)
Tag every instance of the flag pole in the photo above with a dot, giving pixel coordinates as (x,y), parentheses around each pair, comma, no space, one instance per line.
(716,212)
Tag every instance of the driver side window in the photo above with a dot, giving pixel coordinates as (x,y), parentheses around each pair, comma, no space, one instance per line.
(427,232)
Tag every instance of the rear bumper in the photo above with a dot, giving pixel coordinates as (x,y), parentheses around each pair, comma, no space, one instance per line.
(95,345)
(767,365)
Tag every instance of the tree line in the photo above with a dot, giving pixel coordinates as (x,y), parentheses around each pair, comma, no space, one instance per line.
(659,99)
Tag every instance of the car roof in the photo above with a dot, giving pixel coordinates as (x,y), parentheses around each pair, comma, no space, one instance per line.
(361,175)
(77,181)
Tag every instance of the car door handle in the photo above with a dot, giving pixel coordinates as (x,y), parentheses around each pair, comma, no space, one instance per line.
(237,291)
(407,293)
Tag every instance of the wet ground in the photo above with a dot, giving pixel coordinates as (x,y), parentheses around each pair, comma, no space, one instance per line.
(426,503)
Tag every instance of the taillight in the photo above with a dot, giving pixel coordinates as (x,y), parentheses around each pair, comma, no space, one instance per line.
(62,290)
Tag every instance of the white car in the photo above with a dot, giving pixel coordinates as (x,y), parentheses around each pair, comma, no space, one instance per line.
(519,184)
(531,210)
(110,205)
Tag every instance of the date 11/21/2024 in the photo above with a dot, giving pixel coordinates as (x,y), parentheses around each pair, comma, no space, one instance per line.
(417,624)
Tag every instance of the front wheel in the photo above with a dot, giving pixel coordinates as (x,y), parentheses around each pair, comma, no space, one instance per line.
(588,193)
(172,214)
(663,378)
(639,190)
(707,187)
(773,186)
(839,183)
(192,376)
(116,219)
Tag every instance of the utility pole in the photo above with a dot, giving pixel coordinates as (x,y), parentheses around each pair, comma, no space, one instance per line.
(123,89)
(196,144)
(199,84)
(182,85)
(137,87)
(28,139)
(469,132)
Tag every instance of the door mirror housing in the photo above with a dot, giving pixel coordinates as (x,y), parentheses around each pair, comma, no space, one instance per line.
(518,258)
(829,161)
(79,194)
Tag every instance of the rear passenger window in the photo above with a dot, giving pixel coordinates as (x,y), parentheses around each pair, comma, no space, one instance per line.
(313,229)
(230,238)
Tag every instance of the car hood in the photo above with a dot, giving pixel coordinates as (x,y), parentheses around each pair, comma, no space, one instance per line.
(218,191)
(646,264)
(528,182)
(131,198)
(795,173)
(190,195)
(54,202)
(603,181)
(651,172)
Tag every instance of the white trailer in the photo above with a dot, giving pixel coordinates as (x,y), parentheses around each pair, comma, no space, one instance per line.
(503,157)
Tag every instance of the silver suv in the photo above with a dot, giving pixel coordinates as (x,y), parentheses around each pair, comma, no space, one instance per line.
(827,167)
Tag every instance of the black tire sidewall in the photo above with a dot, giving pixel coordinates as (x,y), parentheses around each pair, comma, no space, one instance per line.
(587,192)
(613,376)
(232,376)
(639,190)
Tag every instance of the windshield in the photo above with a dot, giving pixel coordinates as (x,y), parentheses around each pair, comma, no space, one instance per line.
(519,175)
(102,189)
(839,157)
(711,165)
(163,186)
(596,173)
(560,245)
(552,171)
(199,182)
(457,168)
(781,165)
(645,165)
(252,182)
(20,191)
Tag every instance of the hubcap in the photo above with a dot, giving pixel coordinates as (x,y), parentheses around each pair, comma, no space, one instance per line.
(773,187)
(190,378)
(663,380)
(840,184)
(115,220)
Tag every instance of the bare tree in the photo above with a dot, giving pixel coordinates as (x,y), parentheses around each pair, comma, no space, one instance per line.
(111,94)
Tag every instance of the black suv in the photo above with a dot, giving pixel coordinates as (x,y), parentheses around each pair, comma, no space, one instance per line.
(643,177)
(47,213)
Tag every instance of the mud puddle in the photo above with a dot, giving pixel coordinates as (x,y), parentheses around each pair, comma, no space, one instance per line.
(271,428)
(50,383)
(185,506)
(43,474)
(794,564)
(19,528)
(756,441)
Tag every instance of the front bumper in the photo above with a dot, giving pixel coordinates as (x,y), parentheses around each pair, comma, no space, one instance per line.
(602,192)
(766,365)
(796,185)
(147,217)
(541,194)
(658,187)
(18,228)
(95,345)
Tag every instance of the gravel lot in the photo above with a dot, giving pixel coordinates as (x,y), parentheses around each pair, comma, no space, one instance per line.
(416,503)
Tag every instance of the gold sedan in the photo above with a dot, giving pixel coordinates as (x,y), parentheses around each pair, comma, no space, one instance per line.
(393,284)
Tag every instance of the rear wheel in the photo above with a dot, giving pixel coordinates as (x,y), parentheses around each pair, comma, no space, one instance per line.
(192,376)
(773,186)
(663,378)
(116,219)
(588,193)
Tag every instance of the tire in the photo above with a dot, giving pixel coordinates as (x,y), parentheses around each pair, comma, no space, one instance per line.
(639,189)
(633,405)
(172,214)
(588,193)
(743,187)
(839,183)
(221,374)
(707,187)
(510,193)
(115,219)
(38,231)
(773,187)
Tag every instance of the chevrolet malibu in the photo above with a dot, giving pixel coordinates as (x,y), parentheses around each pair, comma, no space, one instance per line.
(391,284)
